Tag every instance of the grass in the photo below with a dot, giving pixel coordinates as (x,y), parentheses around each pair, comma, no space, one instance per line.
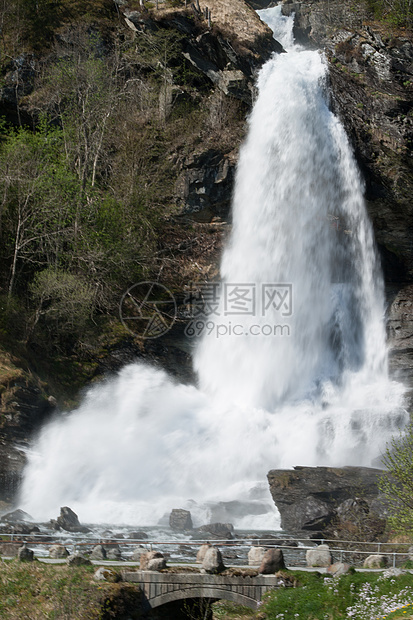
(359,596)
(34,591)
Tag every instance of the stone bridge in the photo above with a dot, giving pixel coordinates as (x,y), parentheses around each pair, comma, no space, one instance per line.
(164,588)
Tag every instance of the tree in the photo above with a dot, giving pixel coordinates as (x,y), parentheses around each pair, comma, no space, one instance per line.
(397,482)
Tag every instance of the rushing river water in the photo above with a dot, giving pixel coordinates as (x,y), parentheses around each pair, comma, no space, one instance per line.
(300,377)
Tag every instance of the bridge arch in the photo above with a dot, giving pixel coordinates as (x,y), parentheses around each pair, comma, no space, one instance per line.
(200,593)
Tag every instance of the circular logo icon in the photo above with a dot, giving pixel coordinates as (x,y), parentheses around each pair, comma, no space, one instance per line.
(148,309)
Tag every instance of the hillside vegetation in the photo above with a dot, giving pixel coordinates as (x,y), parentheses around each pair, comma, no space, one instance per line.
(97,120)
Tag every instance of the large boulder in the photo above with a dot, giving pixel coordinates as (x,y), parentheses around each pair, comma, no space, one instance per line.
(308,497)
(376,561)
(113,552)
(58,552)
(25,555)
(272,562)
(180,520)
(338,568)
(255,555)
(105,573)
(137,552)
(148,557)
(218,530)
(319,556)
(77,559)
(213,562)
(98,553)
(202,552)
(68,520)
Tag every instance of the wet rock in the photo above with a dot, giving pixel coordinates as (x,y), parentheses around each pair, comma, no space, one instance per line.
(16,516)
(180,520)
(375,561)
(218,530)
(25,555)
(139,535)
(272,561)
(320,556)
(212,562)
(58,552)
(68,520)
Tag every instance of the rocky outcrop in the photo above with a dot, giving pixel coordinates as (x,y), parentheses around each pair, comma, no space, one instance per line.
(308,497)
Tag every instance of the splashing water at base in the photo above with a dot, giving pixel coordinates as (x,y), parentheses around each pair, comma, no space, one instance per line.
(316,393)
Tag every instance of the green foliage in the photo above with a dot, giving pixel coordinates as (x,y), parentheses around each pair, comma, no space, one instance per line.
(394,12)
(358,595)
(397,482)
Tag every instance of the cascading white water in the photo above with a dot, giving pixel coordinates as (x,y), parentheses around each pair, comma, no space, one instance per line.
(300,382)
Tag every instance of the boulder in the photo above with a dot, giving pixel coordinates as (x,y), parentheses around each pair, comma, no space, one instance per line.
(201,552)
(255,555)
(104,573)
(148,557)
(308,497)
(68,520)
(319,556)
(114,553)
(15,516)
(25,555)
(338,568)
(157,564)
(218,530)
(136,554)
(137,535)
(180,520)
(98,553)
(212,562)
(272,562)
(77,559)
(375,561)
(58,552)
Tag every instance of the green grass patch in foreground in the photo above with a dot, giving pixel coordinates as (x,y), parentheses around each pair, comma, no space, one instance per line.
(358,596)
(35,591)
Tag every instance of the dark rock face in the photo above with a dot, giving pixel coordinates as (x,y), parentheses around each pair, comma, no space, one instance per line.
(308,497)
(68,520)
(204,187)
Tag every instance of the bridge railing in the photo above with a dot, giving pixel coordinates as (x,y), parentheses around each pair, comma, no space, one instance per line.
(234,551)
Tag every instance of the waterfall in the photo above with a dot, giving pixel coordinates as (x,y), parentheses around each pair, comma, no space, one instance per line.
(292,366)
